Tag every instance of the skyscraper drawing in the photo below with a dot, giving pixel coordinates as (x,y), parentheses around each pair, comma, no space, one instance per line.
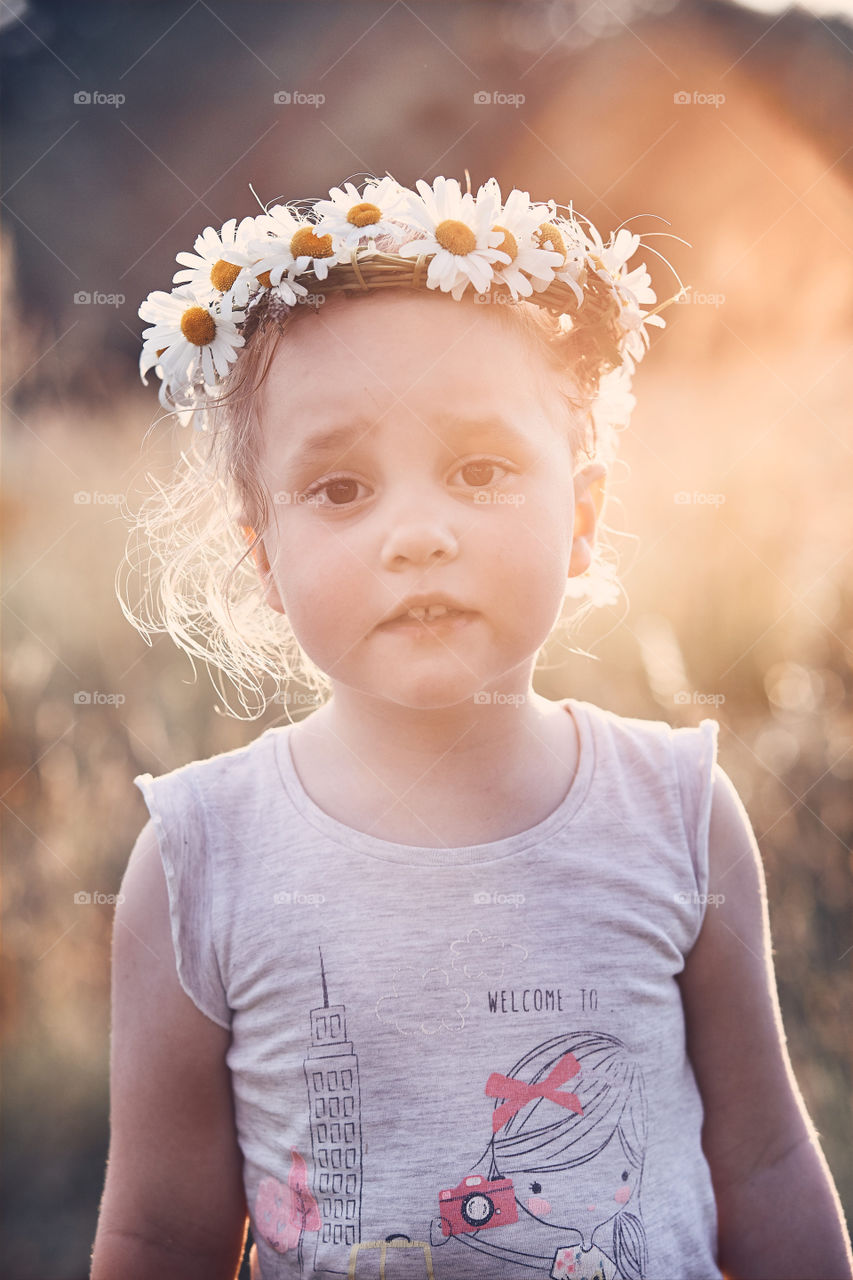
(334,1100)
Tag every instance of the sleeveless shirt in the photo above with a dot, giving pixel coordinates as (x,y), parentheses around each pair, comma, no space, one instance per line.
(456,1062)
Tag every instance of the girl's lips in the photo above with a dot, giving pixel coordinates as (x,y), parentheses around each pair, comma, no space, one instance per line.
(447,623)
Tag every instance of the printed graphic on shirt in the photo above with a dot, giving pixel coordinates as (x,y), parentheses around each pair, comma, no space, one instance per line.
(423,1003)
(331,1209)
(556,1190)
(569,1131)
(284,1212)
(427,1003)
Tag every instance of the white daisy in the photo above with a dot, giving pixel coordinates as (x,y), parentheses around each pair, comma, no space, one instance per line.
(287,246)
(351,218)
(215,267)
(532,260)
(189,340)
(459,235)
(575,261)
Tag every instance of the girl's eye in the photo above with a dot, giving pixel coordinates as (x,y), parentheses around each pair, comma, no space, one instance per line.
(480,472)
(624,1175)
(340,490)
(536,1187)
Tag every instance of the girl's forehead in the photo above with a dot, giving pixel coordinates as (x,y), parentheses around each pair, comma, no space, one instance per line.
(397,346)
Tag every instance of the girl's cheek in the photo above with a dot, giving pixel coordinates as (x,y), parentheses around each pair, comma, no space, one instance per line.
(622,1195)
(539,1206)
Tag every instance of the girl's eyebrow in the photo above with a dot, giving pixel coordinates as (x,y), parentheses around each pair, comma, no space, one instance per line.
(337,440)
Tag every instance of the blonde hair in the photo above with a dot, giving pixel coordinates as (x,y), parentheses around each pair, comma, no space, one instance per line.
(188,539)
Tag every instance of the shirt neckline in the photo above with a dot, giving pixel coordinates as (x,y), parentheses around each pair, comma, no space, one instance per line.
(418,855)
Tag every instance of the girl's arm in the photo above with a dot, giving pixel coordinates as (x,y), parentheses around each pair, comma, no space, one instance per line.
(173,1206)
(778,1210)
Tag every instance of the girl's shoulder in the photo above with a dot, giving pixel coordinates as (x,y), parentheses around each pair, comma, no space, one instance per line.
(648,742)
(666,765)
(232,784)
(231,768)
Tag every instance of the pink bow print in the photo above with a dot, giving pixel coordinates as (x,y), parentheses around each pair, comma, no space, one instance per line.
(518,1092)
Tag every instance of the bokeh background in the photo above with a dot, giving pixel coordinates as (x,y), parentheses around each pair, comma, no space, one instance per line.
(727,126)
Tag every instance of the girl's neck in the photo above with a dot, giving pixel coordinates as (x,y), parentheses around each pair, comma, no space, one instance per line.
(465,775)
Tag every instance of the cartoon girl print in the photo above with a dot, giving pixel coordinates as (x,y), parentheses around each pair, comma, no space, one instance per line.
(568,1143)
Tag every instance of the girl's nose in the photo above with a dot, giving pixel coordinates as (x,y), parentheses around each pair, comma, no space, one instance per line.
(418,541)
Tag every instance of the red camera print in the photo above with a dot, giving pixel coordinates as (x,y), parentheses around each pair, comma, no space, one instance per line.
(477,1203)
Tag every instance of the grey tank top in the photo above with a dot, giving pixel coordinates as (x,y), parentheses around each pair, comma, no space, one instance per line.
(456,1062)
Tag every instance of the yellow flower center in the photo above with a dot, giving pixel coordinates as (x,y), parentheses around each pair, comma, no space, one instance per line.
(198,326)
(509,244)
(264,279)
(550,236)
(223,274)
(455,237)
(364,214)
(305,243)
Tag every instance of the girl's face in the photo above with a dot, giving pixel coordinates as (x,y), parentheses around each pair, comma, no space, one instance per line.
(584,1197)
(414,445)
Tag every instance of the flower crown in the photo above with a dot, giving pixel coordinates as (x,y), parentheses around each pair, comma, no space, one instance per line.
(386,236)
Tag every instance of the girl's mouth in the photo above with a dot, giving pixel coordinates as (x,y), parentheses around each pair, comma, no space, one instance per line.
(430,621)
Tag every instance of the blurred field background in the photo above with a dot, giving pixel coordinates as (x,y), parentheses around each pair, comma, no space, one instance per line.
(741,605)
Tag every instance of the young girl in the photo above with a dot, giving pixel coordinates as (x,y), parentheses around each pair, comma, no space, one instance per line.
(439,911)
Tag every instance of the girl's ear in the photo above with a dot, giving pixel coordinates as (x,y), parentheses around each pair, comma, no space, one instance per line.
(262,564)
(590,492)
